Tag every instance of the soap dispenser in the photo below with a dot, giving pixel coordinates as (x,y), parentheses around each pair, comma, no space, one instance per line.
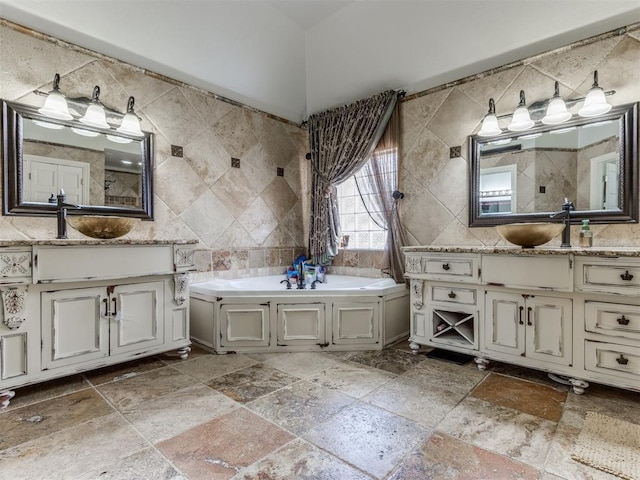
(586,235)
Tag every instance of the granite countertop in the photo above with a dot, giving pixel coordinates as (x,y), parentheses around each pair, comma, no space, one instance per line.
(92,241)
(514,250)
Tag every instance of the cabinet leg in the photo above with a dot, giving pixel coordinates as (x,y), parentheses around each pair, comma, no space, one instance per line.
(183,352)
(5,398)
(414,347)
(578,385)
(481,363)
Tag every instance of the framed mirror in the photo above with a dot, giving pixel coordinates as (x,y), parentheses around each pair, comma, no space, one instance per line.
(525,176)
(103,171)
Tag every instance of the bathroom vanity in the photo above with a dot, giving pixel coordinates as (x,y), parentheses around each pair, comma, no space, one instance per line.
(568,311)
(71,306)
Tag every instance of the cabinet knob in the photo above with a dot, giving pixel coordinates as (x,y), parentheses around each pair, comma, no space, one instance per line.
(451,294)
(445,266)
(626,276)
(623,320)
(621,360)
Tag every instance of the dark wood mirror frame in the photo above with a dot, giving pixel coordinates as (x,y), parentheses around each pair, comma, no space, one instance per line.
(13,202)
(628,197)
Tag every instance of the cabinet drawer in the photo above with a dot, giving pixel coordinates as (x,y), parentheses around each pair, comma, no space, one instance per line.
(449,267)
(617,276)
(538,272)
(464,296)
(612,359)
(612,319)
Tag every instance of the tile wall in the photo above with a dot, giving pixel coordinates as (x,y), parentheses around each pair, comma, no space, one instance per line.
(248,220)
(434,210)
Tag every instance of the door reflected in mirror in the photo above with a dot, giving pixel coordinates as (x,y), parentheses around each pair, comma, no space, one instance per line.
(524,177)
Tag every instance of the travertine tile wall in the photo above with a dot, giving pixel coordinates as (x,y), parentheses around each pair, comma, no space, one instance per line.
(247,220)
(434,210)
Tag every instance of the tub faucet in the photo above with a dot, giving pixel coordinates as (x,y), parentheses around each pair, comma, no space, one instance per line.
(286,280)
(567,207)
(300,283)
(61,213)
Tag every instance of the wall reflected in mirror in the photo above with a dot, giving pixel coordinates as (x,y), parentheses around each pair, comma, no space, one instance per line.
(523,177)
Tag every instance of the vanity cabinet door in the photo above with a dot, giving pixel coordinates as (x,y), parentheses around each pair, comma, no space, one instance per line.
(74,327)
(549,329)
(531,326)
(137,320)
(505,323)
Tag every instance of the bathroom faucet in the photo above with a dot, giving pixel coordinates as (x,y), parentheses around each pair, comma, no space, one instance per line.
(61,213)
(567,207)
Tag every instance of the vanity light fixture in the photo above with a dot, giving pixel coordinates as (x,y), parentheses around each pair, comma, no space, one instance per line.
(490,125)
(521,119)
(556,110)
(95,115)
(595,103)
(55,106)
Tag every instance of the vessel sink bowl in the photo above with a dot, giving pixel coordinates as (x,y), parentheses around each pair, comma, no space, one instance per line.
(102,227)
(529,235)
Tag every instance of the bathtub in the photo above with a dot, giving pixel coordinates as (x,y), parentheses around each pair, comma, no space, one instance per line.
(261,315)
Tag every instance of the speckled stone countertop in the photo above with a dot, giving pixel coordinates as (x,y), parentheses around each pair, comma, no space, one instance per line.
(91,241)
(591,252)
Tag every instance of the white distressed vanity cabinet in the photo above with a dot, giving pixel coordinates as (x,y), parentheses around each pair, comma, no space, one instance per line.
(572,312)
(72,306)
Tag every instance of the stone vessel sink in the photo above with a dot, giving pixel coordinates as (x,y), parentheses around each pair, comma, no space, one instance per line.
(102,227)
(529,235)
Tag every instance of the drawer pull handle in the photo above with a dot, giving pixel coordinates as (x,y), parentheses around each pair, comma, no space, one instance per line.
(621,360)
(623,320)
(451,294)
(520,321)
(445,266)
(529,322)
(626,276)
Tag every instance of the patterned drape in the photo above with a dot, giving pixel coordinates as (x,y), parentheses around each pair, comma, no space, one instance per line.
(380,176)
(341,141)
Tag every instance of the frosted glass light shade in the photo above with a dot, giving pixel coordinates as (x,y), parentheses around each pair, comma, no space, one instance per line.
(95,116)
(130,125)
(490,126)
(55,106)
(595,104)
(115,139)
(521,120)
(556,112)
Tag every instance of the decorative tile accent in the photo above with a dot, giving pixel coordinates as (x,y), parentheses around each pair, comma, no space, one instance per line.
(176,151)
(235,162)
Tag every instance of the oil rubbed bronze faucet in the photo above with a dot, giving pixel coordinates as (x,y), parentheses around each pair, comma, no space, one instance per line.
(61,213)
(567,208)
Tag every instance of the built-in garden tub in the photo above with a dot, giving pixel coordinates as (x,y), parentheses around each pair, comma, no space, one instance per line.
(261,315)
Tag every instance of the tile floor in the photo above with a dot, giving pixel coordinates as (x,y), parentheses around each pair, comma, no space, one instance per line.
(358,415)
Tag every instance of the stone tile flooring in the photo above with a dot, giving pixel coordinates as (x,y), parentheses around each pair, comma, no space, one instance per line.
(341,416)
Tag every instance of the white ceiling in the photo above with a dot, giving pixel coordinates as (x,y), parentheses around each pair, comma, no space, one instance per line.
(292,58)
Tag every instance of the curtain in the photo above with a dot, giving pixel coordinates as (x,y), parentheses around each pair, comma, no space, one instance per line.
(341,141)
(380,177)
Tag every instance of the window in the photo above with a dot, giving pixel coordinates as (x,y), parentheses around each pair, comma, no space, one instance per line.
(359,230)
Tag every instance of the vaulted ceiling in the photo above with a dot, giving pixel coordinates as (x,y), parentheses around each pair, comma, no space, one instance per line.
(293,58)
